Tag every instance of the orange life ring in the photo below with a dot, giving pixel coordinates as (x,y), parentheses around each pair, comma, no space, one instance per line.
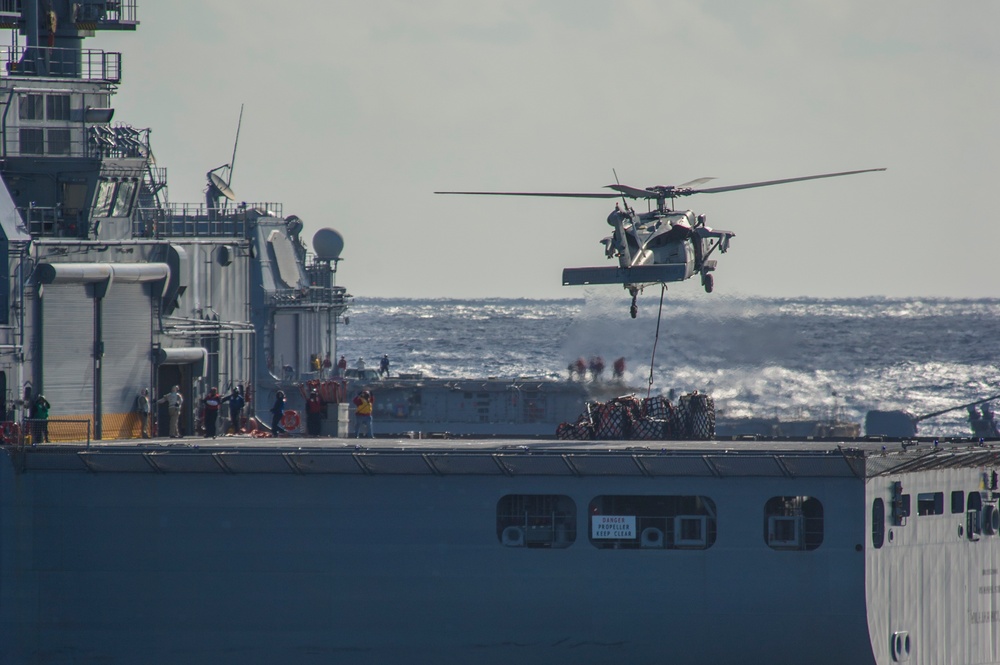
(290,421)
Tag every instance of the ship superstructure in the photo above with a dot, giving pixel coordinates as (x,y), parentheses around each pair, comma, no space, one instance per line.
(108,286)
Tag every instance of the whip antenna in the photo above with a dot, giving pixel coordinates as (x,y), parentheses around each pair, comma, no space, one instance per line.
(624,201)
(232,162)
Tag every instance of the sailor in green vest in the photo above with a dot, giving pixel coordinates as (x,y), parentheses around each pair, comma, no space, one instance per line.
(40,414)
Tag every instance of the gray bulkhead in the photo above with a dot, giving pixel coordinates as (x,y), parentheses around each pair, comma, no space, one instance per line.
(97,339)
(932,573)
(295,308)
(372,557)
(467,407)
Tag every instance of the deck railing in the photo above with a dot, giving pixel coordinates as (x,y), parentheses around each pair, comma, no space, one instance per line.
(188,220)
(36,431)
(87,64)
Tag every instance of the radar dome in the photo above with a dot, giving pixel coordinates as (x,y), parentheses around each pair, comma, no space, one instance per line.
(328,244)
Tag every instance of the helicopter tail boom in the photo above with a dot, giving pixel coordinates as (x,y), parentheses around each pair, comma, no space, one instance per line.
(647,274)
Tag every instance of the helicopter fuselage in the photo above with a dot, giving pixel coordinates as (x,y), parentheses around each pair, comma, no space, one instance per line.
(658,246)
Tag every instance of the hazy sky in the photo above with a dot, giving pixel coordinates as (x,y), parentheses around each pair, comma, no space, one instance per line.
(357,111)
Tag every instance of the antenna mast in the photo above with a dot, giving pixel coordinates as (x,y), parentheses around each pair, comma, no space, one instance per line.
(232,162)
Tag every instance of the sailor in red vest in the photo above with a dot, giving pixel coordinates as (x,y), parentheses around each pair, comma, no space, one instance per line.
(314,413)
(211,403)
(596,368)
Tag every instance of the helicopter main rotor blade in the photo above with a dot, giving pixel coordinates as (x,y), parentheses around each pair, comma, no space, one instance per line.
(633,192)
(730,188)
(567,195)
(662,192)
(696,182)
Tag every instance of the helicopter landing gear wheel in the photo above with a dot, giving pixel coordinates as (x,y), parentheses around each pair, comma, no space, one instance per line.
(634,309)
(708,282)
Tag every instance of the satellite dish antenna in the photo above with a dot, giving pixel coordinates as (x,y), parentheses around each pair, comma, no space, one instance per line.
(328,244)
(220,185)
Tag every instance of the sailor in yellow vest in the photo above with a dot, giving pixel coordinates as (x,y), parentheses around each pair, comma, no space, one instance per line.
(363,413)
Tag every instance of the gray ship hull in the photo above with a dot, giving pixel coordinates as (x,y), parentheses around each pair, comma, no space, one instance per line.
(293,553)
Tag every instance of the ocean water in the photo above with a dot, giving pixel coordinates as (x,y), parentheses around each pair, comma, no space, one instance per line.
(788,357)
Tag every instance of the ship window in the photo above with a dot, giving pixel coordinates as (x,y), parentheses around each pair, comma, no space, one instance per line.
(57,107)
(74,195)
(105,196)
(58,142)
(123,202)
(957,502)
(878,523)
(31,108)
(973,512)
(793,523)
(930,503)
(536,520)
(652,522)
(32,141)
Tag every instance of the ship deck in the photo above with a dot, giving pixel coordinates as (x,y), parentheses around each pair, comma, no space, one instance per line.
(512,457)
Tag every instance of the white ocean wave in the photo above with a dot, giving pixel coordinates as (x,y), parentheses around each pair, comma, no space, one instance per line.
(763,357)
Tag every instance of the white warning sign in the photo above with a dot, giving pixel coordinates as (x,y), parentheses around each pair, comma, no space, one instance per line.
(612,526)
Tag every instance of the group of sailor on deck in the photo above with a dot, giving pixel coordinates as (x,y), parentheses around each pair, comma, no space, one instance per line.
(579,367)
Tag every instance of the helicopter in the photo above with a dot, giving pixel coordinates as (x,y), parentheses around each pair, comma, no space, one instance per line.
(661,245)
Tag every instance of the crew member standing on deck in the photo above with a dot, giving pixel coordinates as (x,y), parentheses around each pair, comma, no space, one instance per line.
(363,413)
(40,412)
(989,422)
(383,366)
(314,413)
(342,366)
(236,404)
(174,401)
(619,369)
(277,413)
(596,368)
(142,407)
(211,403)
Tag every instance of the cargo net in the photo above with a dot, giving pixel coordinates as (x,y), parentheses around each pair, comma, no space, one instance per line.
(651,419)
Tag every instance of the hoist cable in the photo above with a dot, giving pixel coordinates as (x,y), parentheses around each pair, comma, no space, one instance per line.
(656,338)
